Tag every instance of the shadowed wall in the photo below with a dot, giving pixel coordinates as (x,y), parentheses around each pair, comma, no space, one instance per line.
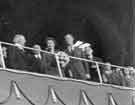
(105,24)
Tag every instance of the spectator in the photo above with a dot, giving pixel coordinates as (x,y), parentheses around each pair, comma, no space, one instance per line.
(92,66)
(49,60)
(78,68)
(129,77)
(38,64)
(64,59)
(112,76)
(17,57)
(106,73)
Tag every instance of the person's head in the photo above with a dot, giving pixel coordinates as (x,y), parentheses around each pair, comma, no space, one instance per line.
(51,43)
(127,71)
(89,51)
(38,48)
(69,39)
(118,69)
(19,39)
(107,66)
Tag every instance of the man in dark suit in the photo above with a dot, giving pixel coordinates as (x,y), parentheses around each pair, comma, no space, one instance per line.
(77,67)
(17,57)
(37,62)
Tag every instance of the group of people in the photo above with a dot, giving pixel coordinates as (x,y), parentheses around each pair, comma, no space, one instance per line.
(118,76)
(36,60)
(49,60)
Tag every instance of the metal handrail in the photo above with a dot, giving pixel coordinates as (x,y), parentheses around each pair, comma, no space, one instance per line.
(77,58)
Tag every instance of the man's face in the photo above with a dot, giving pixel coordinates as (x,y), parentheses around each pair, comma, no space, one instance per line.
(22,40)
(127,72)
(50,44)
(69,39)
(38,48)
(89,51)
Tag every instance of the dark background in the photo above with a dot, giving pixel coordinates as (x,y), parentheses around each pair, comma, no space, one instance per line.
(106,24)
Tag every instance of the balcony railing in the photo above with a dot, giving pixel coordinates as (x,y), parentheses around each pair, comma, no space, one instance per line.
(99,72)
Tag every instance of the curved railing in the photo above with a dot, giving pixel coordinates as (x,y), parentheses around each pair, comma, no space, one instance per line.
(61,76)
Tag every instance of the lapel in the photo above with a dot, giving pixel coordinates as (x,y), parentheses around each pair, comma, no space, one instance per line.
(71,53)
(22,52)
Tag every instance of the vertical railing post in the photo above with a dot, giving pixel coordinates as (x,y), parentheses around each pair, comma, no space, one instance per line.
(99,73)
(58,65)
(2,56)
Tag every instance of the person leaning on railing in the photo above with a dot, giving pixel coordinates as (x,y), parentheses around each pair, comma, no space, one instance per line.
(37,60)
(92,66)
(17,57)
(106,73)
(64,60)
(114,75)
(129,76)
(76,67)
(49,60)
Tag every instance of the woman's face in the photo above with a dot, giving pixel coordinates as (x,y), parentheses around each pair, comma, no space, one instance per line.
(50,44)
